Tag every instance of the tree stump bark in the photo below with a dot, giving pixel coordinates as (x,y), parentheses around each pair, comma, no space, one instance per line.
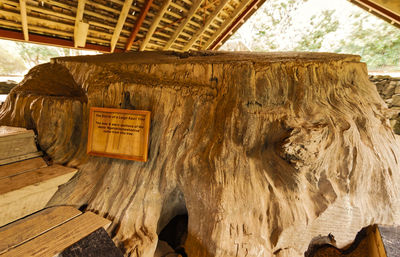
(263,152)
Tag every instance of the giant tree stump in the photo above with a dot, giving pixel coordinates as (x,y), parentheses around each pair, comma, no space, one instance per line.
(263,151)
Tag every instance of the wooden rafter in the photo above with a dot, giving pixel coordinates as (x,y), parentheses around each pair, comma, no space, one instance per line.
(39,39)
(24,19)
(193,9)
(208,22)
(154,24)
(138,24)
(89,13)
(68,16)
(232,21)
(120,24)
(176,25)
(186,10)
(78,20)
(379,10)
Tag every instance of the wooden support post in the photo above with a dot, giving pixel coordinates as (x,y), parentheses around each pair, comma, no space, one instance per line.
(81,28)
(24,19)
(154,24)
(196,4)
(138,24)
(202,29)
(120,24)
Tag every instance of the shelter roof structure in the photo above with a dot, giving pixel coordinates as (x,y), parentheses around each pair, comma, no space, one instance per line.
(389,10)
(138,25)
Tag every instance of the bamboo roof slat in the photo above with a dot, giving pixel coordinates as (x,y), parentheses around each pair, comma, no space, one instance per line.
(178,25)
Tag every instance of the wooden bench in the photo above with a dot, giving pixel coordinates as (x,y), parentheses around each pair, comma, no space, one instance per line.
(17,144)
(55,231)
(27,183)
(27,186)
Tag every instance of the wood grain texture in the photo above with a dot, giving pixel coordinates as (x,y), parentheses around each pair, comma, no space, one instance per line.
(375,243)
(263,151)
(35,225)
(18,158)
(56,240)
(16,142)
(6,86)
(25,193)
(26,204)
(6,131)
(365,245)
(21,167)
(119,133)
(42,175)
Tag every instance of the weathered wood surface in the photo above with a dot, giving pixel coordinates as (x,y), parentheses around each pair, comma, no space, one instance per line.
(7,131)
(368,243)
(15,168)
(20,158)
(54,241)
(263,151)
(97,244)
(6,86)
(119,133)
(16,144)
(32,226)
(27,192)
(376,247)
(52,174)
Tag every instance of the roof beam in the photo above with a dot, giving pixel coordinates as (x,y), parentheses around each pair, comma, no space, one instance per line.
(138,24)
(202,29)
(154,24)
(391,5)
(47,40)
(24,19)
(80,27)
(120,24)
(387,10)
(229,25)
(193,9)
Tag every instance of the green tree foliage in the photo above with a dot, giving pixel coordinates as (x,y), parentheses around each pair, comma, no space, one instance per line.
(17,58)
(10,63)
(294,26)
(36,54)
(274,16)
(378,43)
(314,35)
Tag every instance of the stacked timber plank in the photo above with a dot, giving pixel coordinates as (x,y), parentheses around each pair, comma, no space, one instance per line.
(26,181)
(57,231)
(17,144)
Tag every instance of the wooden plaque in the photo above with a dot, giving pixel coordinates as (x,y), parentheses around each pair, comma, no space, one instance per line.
(119,133)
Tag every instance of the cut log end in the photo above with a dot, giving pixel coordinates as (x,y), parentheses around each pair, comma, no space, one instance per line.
(262,151)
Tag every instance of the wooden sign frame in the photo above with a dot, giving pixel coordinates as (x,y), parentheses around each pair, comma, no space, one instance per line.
(116,113)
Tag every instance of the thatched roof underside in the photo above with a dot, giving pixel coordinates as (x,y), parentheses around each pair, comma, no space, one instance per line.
(137,25)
